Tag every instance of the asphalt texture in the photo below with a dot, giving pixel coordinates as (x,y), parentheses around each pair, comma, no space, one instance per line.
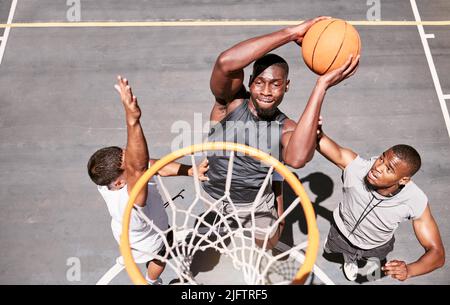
(58,106)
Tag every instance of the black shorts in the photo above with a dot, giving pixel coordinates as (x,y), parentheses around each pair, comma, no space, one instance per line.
(162,251)
(338,243)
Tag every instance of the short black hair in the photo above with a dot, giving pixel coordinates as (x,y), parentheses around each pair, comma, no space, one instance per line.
(105,165)
(268,60)
(409,155)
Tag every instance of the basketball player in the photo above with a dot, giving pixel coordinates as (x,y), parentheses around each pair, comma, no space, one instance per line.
(240,112)
(116,171)
(378,194)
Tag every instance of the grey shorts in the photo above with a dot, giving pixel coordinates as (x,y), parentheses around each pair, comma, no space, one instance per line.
(337,243)
(265,213)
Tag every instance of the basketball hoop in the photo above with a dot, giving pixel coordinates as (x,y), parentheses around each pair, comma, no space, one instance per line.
(236,242)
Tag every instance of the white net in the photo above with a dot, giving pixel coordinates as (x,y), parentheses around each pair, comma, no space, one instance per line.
(247,246)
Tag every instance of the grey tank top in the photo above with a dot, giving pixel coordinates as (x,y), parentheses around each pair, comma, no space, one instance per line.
(241,126)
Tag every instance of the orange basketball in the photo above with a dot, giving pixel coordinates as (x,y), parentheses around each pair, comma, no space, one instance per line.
(328,44)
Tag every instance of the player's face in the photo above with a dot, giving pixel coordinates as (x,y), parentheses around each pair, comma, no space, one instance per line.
(267,90)
(387,171)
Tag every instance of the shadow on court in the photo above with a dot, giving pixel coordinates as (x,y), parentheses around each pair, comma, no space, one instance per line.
(204,261)
(320,185)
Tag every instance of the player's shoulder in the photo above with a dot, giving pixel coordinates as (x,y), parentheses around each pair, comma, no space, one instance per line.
(356,170)
(415,198)
(289,125)
(234,104)
(415,194)
(359,163)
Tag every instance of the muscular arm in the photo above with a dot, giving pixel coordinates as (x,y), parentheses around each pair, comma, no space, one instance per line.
(427,234)
(178,169)
(228,73)
(299,145)
(227,86)
(333,152)
(136,152)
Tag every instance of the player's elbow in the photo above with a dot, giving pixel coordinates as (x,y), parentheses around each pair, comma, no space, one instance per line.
(298,160)
(437,253)
(440,261)
(225,63)
(295,162)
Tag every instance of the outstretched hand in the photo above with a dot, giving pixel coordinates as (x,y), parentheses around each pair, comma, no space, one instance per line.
(345,71)
(202,168)
(129,101)
(302,28)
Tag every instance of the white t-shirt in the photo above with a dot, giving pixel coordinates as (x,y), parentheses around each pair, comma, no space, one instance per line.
(143,236)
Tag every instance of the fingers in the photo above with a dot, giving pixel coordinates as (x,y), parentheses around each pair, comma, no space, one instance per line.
(319,127)
(397,274)
(202,169)
(352,72)
(396,269)
(351,69)
(347,64)
(203,178)
(393,263)
(320,18)
(123,82)
(124,89)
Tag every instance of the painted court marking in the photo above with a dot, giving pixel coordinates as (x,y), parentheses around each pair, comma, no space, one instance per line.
(434,75)
(207,23)
(4,38)
(194,23)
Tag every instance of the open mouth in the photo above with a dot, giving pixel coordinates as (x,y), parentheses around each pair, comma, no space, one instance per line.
(265,101)
(372,175)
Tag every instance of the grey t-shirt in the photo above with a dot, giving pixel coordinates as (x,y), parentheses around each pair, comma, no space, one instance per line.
(241,126)
(379,226)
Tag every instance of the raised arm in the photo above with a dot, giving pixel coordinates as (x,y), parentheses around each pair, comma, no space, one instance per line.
(136,151)
(427,234)
(228,73)
(332,151)
(299,140)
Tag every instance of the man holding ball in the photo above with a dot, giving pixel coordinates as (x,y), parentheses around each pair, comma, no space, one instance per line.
(294,142)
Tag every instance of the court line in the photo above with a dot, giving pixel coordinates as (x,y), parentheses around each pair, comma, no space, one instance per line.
(434,75)
(7,29)
(200,23)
